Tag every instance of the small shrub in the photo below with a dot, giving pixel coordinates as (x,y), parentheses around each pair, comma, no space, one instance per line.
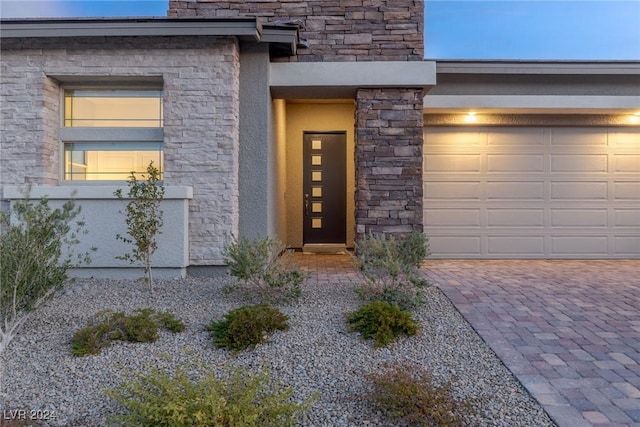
(241,400)
(247,326)
(144,218)
(32,254)
(169,321)
(382,321)
(390,268)
(409,397)
(264,266)
(107,326)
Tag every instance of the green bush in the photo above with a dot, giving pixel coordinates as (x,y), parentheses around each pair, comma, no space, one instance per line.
(247,326)
(390,268)
(409,397)
(241,400)
(382,321)
(107,326)
(264,266)
(36,252)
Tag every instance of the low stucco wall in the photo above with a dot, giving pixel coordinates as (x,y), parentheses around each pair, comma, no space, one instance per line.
(104,216)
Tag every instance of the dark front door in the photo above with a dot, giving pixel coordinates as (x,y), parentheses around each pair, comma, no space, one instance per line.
(325,187)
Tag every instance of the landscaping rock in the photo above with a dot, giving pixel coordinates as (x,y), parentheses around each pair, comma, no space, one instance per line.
(317,353)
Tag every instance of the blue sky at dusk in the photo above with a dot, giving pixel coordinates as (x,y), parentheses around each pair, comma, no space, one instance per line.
(454,29)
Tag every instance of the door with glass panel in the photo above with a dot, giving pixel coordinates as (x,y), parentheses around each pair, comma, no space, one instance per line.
(324,187)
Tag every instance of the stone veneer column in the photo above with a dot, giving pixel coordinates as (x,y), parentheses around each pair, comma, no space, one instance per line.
(388,161)
(337,30)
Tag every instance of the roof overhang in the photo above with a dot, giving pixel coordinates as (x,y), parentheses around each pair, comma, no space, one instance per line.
(245,28)
(304,80)
(596,77)
(538,67)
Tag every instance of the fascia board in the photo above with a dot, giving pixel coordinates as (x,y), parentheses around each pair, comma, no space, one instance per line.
(284,36)
(342,79)
(555,68)
(132,27)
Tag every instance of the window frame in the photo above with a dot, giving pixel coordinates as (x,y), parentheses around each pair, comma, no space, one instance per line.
(101,136)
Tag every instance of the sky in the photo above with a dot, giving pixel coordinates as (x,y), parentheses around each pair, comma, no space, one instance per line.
(454,29)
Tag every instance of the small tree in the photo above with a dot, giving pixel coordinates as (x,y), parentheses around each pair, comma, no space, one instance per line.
(35,255)
(144,218)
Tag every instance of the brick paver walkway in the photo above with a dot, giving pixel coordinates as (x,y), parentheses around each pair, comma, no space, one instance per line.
(568,330)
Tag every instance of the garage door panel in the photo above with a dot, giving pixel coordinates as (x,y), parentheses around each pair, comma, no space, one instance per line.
(452,218)
(626,163)
(512,245)
(582,163)
(453,163)
(579,245)
(627,190)
(624,138)
(520,137)
(578,137)
(463,246)
(627,245)
(626,217)
(539,193)
(497,163)
(515,217)
(463,137)
(452,190)
(585,190)
(578,217)
(520,190)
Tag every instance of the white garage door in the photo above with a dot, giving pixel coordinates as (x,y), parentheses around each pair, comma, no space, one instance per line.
(531,192)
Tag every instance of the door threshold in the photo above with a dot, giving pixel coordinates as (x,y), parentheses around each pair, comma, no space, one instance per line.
(324,248)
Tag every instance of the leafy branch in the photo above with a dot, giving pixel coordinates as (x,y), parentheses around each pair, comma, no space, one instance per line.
(143,218)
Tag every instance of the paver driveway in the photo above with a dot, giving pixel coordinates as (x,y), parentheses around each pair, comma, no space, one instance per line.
(568,330)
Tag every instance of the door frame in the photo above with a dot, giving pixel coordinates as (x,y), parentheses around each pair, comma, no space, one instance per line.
(336,237)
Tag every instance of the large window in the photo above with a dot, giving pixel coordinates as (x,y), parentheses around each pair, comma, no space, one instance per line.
(109,133)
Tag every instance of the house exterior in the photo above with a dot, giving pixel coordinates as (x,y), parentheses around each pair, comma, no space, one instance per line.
(317,123)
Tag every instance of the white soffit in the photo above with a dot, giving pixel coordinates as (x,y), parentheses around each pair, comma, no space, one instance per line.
(342,79)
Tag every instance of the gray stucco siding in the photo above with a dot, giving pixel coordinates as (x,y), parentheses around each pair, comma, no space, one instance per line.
(200,79)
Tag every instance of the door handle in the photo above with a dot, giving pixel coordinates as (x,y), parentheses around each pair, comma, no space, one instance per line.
(306,204)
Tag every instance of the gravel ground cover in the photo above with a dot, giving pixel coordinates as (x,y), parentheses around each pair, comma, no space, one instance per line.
(317,353)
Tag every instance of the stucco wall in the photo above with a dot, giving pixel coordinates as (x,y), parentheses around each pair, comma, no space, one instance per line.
(315,117)
(258,160)
(104,217)
(201,109)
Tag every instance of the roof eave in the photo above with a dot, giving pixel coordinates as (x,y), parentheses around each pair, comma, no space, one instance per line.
(537,67)
(246,28)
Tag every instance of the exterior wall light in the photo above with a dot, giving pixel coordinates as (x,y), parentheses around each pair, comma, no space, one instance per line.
(470,117)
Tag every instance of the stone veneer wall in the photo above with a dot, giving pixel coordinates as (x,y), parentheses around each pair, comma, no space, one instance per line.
(389,161)
(337,30)
(201,108)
